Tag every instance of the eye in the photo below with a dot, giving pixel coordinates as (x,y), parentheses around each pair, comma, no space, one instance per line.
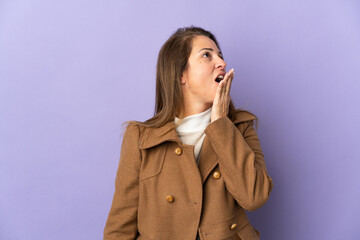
(206,55)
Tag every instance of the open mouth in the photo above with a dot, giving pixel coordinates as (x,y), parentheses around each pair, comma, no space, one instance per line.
(219,78)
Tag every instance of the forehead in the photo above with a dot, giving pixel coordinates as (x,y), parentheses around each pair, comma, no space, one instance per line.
(200,42)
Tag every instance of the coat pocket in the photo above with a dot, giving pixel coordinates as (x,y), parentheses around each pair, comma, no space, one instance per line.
(227,229)
(152,161)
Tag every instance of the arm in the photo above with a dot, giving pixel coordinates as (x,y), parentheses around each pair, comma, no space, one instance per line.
(241,162)
(122,219)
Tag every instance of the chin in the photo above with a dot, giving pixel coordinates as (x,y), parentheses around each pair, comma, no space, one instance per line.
(210,101)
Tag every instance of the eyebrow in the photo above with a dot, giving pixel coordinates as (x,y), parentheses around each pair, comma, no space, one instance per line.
(210,49)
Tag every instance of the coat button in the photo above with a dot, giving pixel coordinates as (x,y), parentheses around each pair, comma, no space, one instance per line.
(170,199)
(216,175)
(233,226)
(178,151)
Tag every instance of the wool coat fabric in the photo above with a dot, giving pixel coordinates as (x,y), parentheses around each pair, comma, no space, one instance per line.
(162,194)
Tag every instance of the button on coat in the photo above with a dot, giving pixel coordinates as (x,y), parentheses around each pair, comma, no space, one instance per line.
(233,226)
(178,151)
(216,175)
(170,199)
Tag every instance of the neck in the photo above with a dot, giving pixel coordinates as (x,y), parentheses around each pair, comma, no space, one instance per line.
(193,109)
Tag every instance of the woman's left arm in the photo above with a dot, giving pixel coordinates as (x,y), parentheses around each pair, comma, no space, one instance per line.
(241,162)
(238,148)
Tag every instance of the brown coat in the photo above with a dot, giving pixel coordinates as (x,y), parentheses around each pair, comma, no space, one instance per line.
(162,194)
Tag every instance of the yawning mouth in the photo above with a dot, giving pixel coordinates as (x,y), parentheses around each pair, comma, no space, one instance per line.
(219,78)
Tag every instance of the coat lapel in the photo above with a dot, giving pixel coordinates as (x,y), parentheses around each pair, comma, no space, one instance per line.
(154,136)
(208,159)
(151,137)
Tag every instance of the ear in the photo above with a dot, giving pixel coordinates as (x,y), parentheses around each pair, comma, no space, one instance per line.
(183,79)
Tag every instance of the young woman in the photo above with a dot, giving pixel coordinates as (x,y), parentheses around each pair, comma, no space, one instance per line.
(192,170)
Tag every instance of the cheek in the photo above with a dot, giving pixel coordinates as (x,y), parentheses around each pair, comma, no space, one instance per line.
(199,68)
(198,78)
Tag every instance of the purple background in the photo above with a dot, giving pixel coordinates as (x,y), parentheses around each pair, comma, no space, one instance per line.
(72,71)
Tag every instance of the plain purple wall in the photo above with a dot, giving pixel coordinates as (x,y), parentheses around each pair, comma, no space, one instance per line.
(72,71)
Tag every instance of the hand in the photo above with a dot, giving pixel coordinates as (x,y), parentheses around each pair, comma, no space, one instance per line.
(220,107)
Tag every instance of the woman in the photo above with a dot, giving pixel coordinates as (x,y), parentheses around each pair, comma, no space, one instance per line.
(192,170)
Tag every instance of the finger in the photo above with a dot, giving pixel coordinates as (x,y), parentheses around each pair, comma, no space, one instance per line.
(229,81)
(223,85)
(218,93)
(226,92)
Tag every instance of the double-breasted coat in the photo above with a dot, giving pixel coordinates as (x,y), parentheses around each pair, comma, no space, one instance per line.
(161,193)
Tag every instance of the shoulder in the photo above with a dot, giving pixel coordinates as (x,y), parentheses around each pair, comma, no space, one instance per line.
(148,136)
(243,116)
(131,130)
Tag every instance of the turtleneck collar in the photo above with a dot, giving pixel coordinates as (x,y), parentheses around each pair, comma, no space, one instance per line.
(193,123)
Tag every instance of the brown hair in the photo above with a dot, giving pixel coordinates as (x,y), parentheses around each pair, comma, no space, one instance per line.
(172,62)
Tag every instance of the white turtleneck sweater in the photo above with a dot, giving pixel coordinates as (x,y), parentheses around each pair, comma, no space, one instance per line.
(191,130)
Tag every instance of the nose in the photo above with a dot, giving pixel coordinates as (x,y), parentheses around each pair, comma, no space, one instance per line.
(220,63)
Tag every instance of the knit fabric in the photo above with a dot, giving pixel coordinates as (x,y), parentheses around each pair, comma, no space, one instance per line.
(191,130)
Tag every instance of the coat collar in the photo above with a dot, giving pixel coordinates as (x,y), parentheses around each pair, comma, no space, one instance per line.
(151,137)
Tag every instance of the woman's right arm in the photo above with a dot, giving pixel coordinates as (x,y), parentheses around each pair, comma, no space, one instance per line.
(122,219)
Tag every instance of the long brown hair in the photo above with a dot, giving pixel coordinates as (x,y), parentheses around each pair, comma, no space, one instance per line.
(172,62)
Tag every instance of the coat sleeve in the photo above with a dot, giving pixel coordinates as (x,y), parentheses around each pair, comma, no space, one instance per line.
(122,220)
(241,162)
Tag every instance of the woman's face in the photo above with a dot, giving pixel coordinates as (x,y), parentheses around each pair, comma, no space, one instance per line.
(204,71)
